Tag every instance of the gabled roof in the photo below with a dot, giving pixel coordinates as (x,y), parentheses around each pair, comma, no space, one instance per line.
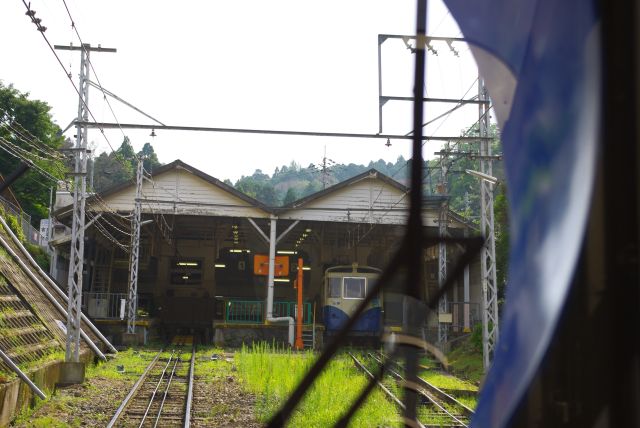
(372,173)
(177,164)
(429,201)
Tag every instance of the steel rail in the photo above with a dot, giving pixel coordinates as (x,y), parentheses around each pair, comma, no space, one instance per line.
(155,391)
(422,392)
(166,391)
(133,391)
(437,391)
(386,390)
(187,412)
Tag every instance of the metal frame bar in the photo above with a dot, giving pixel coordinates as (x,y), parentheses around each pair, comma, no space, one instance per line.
(110,125)
(21,375)
(49,296)
(53,285)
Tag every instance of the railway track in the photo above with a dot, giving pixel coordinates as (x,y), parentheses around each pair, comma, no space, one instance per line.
(437,408)
(162,396)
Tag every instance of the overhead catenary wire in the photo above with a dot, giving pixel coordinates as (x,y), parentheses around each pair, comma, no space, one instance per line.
(8,147)
(95,73)
(28,138)
(41,29)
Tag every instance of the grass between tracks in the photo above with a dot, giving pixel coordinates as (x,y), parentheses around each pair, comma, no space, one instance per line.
(273,373)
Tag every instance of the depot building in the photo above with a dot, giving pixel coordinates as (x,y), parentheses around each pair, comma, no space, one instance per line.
(204,252)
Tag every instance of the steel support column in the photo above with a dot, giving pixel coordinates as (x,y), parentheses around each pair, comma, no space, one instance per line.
(132,301)
(76,256)
(490,327)
(443,328)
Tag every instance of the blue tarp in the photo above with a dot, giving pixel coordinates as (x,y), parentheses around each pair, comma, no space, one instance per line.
(552,49)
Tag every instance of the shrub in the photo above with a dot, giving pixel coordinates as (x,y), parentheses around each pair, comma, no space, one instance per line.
(14,225)
(40,256)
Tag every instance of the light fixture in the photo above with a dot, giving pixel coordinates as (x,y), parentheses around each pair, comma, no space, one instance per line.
(308,230)
(220,265)
(286,252)
(280,279)
(187,264)
(237,250)
(185,277)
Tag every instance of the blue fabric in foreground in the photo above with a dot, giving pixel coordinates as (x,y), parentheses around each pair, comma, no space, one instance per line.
(550,144)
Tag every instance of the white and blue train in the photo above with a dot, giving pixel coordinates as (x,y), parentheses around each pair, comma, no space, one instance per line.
(344,288)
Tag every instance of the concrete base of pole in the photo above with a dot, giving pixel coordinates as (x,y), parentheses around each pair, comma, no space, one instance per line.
(71,373)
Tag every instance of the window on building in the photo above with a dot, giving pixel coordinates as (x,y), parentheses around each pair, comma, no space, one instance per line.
(186,272)
(354,288)
(335,287)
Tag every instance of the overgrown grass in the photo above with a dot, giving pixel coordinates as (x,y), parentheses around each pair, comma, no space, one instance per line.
(133,362)
(446,381)
(465,361)
(272,374)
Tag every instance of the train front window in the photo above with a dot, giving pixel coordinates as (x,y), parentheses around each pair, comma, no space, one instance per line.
(354,288)
(335,287)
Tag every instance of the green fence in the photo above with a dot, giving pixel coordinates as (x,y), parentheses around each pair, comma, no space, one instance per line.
(252,311)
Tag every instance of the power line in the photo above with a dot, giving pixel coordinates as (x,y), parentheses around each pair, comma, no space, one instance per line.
(75,28)
(10,149)
(38,23)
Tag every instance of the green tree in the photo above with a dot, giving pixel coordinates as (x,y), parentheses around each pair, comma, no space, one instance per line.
(111,169)
(149,157)
(501,222)
(290,197)
(27,125)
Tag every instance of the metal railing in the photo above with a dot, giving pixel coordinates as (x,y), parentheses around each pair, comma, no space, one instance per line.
(464,314)
(252,311)
(104,305)
(31,233)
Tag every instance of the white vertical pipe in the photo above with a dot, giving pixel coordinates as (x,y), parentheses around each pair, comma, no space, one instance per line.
(272,267)
(466,298)
(270,277)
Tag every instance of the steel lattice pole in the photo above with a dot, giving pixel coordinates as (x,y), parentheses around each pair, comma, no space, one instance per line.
(135,248)
(76,256)
(490,327)
(442,251)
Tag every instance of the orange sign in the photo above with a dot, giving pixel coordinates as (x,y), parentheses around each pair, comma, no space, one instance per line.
(261,265)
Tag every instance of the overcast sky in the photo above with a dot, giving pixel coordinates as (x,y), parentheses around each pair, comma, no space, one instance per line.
(286,65)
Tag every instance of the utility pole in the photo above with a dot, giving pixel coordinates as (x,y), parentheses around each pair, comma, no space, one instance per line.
(135,247)
(326,164)
(76,256)
(442,247)
(490,327)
